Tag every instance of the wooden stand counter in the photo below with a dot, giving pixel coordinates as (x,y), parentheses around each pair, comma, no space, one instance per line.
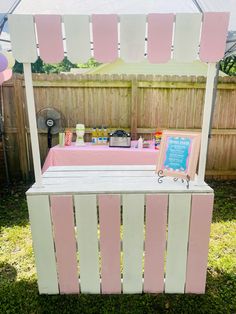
(104,199)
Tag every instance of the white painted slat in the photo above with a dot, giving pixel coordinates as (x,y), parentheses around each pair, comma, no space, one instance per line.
(77,38)
(23,40)
(177,242)
(102,168)
(78,174)
(133,237)
(88,185)
(132,37)
(187,36)
(86,222)
(41,229)
(206,121)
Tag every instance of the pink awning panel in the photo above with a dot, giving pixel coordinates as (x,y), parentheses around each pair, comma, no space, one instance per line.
(50,38)
(160,31)
(214,35)
(105,37)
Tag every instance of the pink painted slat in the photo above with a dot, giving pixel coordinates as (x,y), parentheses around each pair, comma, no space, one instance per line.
(65,243)
(160,30)
(50,38)
(213,37)
(109,218)
(105,37)
(199,234)
(155,242)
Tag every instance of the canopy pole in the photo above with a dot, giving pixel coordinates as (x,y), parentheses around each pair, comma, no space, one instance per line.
(32,123)
(208,104)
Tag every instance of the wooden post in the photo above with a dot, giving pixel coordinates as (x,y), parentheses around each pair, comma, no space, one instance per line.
(21,127)
(211,73)
(134,109)
(32,123)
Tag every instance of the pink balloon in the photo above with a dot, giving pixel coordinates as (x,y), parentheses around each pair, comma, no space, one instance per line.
(5,76)
(3,62)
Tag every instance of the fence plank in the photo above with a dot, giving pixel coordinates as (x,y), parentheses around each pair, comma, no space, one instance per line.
(41,230)
(133,238)
(21,129)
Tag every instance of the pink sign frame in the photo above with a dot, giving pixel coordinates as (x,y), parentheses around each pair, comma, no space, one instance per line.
(191,158)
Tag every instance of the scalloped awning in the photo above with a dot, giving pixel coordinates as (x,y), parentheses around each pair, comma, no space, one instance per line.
(160,37)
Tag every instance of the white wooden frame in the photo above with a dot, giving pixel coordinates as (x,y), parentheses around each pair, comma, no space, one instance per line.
(211,73)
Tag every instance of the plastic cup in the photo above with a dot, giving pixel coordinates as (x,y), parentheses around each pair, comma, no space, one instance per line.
(61,139)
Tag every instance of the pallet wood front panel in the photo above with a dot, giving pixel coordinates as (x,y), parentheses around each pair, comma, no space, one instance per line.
(134,235)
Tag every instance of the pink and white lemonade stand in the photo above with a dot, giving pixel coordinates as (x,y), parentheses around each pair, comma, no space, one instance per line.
(115,229)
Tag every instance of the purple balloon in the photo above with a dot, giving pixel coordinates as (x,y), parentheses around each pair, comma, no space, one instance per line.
(3,62)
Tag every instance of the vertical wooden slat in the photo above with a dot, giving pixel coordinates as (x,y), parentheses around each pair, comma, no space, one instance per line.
(50,39)
(105,37)
(109,219)
(41,229)
(155,242)
(86,222)
(186,37)
(132,37)
(199,234)
(23,39)
(160,29)
(213,36)
(65,244)
(133,236)
(177,242)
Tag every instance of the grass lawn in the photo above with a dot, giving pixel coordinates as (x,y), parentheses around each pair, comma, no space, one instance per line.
(18,286)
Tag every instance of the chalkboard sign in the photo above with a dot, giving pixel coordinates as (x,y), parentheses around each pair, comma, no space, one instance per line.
(179,153)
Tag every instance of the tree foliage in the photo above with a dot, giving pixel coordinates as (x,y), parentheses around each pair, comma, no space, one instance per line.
(228,65)
(40,67)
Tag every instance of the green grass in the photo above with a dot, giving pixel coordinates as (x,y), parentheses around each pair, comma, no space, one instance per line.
(18,286)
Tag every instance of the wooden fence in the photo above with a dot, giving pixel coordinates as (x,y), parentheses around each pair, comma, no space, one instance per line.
(137,103)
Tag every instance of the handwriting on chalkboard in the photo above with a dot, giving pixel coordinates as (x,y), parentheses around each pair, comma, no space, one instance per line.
(177,153)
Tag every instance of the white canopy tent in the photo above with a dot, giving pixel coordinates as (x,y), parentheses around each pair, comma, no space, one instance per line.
(192,35)
(118,7)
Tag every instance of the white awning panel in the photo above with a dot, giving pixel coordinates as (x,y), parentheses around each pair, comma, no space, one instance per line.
(77,38)
(187,36)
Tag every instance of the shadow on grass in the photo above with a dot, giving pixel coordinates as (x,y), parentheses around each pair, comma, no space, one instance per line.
(225,200)
(22,297)
(13,207)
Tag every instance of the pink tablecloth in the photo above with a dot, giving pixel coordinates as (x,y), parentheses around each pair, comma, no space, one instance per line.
(99,155)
